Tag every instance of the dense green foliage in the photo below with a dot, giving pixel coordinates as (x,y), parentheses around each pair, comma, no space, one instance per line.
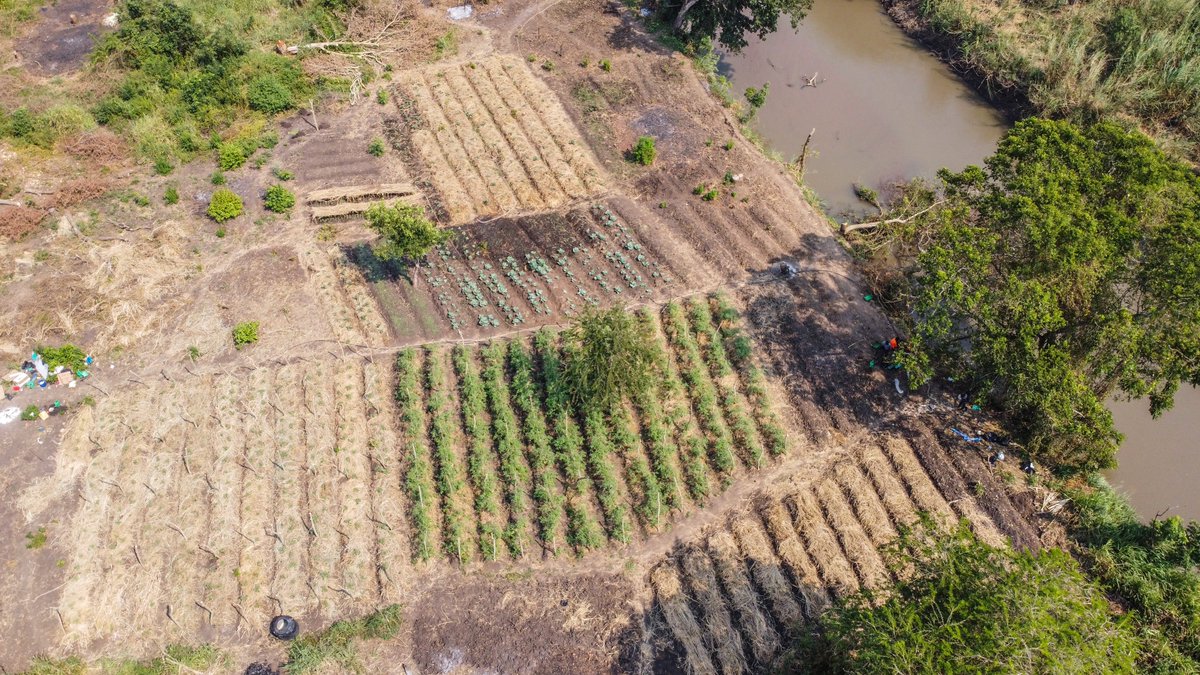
(643,151)
(224,205)
(186,77)
(1087,61)
(336,644)
(730,21)
(245,333)
(44,129)
(1153,567)
(406,233)
(959,605)
(1062,271)
(611,355)
(279,199)
(68,356)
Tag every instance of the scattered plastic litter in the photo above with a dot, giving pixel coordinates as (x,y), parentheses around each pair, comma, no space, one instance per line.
(868,297)
(998,457)
(1028,467)
(9,414)
(896,381)
(969,439)
(644,12)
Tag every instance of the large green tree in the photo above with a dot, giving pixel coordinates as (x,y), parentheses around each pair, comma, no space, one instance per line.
(962,606)
(1064,270)
(730,21)
(610,355)
(405,232)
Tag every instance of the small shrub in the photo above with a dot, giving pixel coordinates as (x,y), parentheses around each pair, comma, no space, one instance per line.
(606,65)
(193,353)
(220,233)
(728,145)
(282,174)
(644,151)
(217,178)
(225,205)
(279,199)
(267,94)
(163,166)
(376,148)
(245,333)
(585,62)
(141,200)
(381,97)
(171,196)
(35,540)
(548,66)
(757,97)
(41,255)
(231,156)
(30,413)
(89,401)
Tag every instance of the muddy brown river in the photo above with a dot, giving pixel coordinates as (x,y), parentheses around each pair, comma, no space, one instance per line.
(885,109)
(1159,463)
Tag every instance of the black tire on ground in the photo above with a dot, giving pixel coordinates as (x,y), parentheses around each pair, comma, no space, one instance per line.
(284,627)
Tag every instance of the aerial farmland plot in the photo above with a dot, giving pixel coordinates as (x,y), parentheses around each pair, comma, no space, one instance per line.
(407,434)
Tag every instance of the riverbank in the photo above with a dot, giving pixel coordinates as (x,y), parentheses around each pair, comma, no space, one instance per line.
(1126,62)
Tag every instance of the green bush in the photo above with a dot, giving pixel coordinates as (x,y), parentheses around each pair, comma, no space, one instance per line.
(225,205)
(245,333)
(404,230)
(163,166)
(376,148)
(217,178)
(958,603)
(231,156)
(282,174)
(279,199)
(1151,567)
(381,97)
(644,151)
(171,196)
(68,356)
(30,413)
(267,94)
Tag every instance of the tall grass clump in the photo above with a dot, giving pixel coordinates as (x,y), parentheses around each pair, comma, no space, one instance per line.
(1154,568)
(337,644)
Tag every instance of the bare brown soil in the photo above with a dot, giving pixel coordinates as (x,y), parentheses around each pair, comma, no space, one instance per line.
(201,496)
(63,36)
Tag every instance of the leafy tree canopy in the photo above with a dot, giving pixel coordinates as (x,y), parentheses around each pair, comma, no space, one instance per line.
(962,606)
(730,21)
(1065,269)
(610,356)
(404,230)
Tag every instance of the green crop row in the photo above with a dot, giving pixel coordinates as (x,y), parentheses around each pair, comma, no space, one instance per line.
(582,532)
(664,420)
(546,495)
(441,433)
(472,402)
(739,421)
(509,446)
(638,476)
(417,478)
(753,380)
(700,387)
(599,447)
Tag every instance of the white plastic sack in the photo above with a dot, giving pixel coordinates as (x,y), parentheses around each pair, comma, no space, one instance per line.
(9,414)
(461,12)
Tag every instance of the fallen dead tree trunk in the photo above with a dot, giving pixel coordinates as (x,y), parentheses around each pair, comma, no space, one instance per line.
(847,228)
